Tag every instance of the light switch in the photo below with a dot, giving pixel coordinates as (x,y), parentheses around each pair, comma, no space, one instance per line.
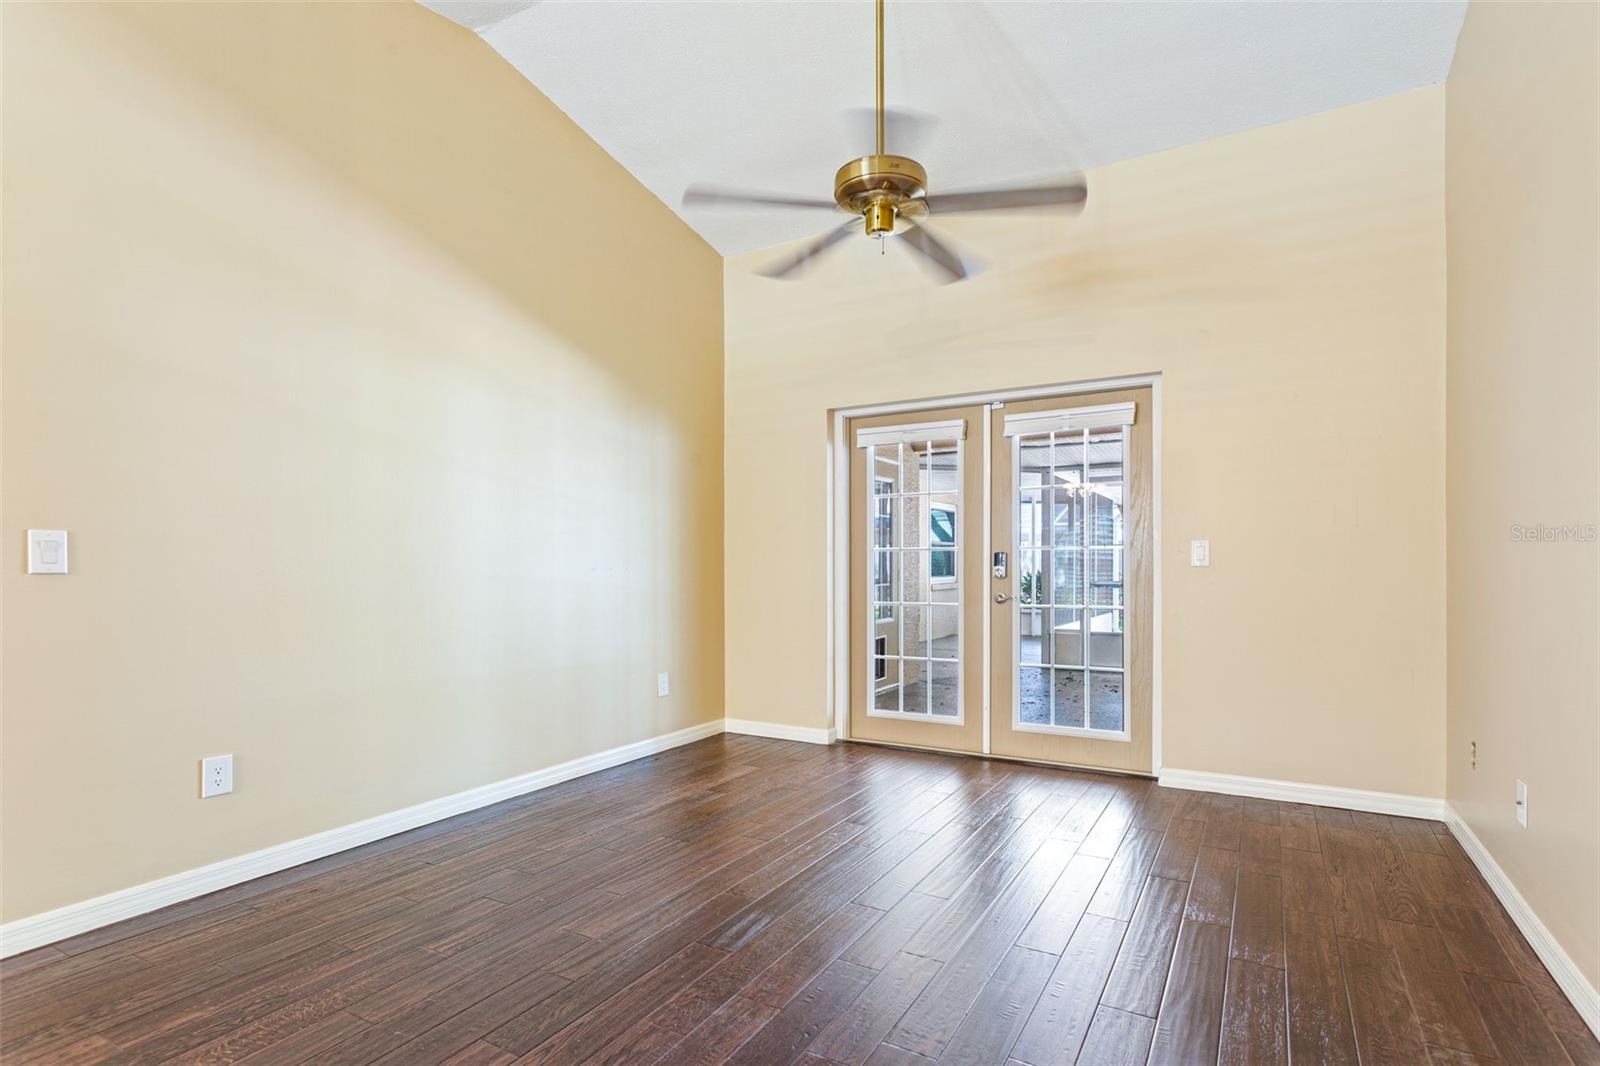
(47,551)
(1199,553)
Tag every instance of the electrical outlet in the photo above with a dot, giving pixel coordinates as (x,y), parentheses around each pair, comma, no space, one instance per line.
(1474,754)
(216,776)
(663,684)
(1522,804)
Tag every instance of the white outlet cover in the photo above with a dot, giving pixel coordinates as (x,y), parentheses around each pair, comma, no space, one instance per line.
(216,776)
(663,685)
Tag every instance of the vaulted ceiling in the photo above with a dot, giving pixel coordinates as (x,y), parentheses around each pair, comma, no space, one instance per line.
(760,94)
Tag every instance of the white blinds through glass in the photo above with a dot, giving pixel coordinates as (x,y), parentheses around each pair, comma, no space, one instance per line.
(921,432)
(1072,420)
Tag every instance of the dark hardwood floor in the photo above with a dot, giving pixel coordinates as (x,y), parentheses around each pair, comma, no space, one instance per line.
(756,901)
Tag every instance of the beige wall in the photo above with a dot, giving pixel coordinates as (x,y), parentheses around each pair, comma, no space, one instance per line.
(1288,283)
(1523,394)
(389,467)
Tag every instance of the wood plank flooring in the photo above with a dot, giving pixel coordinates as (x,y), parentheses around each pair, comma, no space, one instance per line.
(755,901)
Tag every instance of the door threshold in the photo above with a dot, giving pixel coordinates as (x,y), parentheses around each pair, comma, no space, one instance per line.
(1080,768)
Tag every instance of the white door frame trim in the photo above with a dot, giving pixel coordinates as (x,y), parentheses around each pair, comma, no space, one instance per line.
(838,513)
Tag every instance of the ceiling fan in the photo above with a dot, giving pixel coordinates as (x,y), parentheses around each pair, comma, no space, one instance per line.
(888,195)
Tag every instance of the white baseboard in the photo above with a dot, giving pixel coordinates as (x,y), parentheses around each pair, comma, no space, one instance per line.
(1578,990)
(1355,799)
(38,930)
(35,931)
(775,731)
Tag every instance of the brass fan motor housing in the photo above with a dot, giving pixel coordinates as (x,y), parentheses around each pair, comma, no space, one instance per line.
(880,188)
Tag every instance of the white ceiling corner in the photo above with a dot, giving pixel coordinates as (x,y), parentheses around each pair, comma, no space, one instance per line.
(478,15)
(754,94)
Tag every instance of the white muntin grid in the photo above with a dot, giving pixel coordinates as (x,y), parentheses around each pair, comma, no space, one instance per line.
(910,546)
(1034,511)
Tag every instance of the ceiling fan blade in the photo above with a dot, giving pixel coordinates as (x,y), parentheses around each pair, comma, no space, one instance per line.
(717,196)
(1069,194)
(937,252)
(809,251)
(905,132)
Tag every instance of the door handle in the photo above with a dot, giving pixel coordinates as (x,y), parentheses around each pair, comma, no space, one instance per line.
(1001,597)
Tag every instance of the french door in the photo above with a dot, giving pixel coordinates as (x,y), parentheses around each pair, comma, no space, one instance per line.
(917,582)
(1023,529)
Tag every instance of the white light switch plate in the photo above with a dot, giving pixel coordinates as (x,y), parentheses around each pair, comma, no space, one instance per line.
(47,551)
(1522,804)
(216,776)
(1199,553)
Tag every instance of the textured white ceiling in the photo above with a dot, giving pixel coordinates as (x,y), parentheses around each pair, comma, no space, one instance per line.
(756,94)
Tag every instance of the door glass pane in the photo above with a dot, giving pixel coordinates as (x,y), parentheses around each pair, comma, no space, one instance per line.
(1104,521)
(882,533)
(916,629)
(1066,458)
(1034,461)
(1105,701)
(1105,639)
(914,522)
(914,568)
(1033,696)
(1032,530)
(938,463)
(1043,650)
(1104,576)
(914,672)
(914,576)
(946,690)
(1067,583)
(1066,515)
(1030,635)
(886,692)
(882,568)
(942,538)
(1066,637)
(1030,577)
(944,632)
(1068,708)
(1104,504)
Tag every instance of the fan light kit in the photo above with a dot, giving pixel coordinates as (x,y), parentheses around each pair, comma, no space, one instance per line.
(887,195)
